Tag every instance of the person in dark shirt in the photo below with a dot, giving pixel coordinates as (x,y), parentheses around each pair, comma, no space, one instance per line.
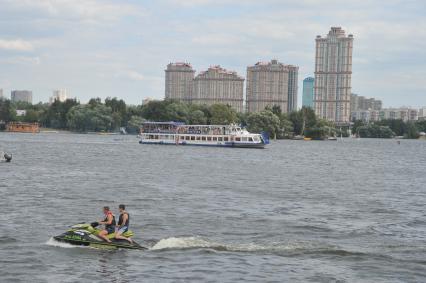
(123,224)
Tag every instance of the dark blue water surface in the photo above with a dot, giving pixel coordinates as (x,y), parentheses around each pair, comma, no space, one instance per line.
(298,211)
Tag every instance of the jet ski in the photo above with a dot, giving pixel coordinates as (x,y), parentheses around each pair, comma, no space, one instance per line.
(85,234)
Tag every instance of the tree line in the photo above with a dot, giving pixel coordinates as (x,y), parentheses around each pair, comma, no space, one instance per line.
(389,128)
(112,113)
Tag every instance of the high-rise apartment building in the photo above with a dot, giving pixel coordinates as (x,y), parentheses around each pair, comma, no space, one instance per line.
(179,81)
(403,113)
(271,83)
(22,95)
(308,92)
(362,103)
(333,71)
(218,85)
(58,94)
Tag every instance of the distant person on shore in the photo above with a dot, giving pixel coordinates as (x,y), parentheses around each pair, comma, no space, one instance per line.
(109,223)
(123,224)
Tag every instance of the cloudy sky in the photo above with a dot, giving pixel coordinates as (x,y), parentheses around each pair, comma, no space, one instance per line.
(100,48)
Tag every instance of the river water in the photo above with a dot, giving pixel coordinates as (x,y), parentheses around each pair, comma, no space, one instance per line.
(345,211)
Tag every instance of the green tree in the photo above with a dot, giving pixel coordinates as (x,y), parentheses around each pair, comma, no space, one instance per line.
(197,117)
(411,131)
(156,110)
(119,111)
(375,131)
(31,116)
(177,112)
(7,111)
(134,124)
(286,128)
(421,126)
(222,114)
(56,114)
(90,118)
(264,121)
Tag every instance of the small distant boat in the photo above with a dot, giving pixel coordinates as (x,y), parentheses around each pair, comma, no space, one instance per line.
(174,133)
(307,139)
(20,127)
(332,139)
(298,138)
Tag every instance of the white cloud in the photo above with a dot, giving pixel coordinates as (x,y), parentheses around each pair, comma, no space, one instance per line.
(86,10)
(16,45)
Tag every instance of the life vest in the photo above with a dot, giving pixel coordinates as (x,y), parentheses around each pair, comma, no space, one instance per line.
(120,220)
(112,225)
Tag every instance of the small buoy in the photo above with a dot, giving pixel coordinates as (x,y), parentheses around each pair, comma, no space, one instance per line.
(8,157)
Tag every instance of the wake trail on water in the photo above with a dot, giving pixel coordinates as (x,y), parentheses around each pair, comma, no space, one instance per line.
(176,243)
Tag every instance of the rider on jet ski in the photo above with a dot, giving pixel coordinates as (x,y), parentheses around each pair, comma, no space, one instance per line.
(109,223)
(123,224)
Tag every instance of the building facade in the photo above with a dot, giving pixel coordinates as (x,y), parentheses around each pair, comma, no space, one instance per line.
(293,77)
(308,92)
(422,113)
(1,93)
(22,95)
(365,115)
(59,94)
(271,83)
(218,85)
(179,81)
(404,113)
(362,103)
(333,72)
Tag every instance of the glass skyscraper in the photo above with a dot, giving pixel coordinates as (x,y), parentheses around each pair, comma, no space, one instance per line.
(308,92)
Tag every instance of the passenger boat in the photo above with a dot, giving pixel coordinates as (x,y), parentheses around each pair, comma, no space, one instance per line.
(175,133)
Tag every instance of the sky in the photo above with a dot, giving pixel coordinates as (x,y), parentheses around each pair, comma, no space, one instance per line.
(120,48)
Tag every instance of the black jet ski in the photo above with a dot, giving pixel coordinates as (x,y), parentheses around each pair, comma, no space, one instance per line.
(85,234)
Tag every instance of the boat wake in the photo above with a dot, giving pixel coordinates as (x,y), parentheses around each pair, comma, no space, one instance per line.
(52,242)
(200,243)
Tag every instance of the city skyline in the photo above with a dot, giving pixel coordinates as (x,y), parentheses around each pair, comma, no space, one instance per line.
(113,48)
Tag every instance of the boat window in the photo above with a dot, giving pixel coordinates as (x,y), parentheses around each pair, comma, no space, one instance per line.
(198,138)
(209,138)
(219,138)
(193,138)
(156,137)
(251,139)
(245,139)
(238,139)
(182,137)
(226,139)
(214,138)
(187,138)
(203,138)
